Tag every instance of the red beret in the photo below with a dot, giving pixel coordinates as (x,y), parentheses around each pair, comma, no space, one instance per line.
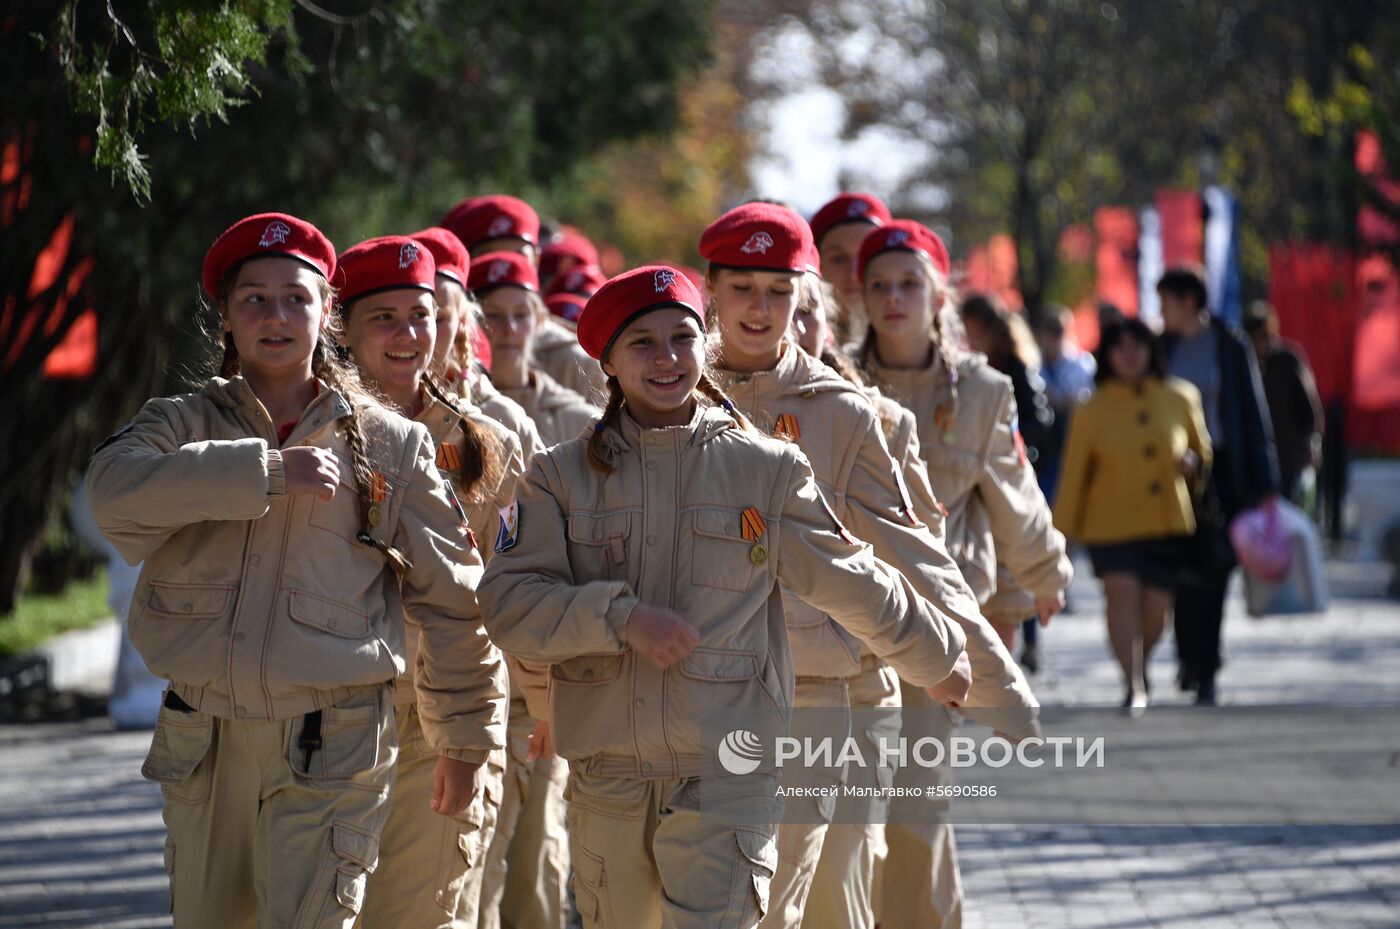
(391,262)
(502,269)
(761,236)
(814,260)
(267,234)
(449,254)
(850,208)
(566,305)
(480,219)
(907,236)
(572,244)
(629,295)
(582,281)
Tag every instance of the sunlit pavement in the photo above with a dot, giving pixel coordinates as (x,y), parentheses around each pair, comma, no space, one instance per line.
(81,835)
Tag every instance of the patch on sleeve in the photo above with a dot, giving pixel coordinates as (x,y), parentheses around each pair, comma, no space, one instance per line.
(906,500)
(509,532)
(840,529)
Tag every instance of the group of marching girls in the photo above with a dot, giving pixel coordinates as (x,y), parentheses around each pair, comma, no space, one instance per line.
(447,562)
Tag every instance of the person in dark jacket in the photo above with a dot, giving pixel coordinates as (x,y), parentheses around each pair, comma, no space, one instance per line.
(1218,359)
(1291,392)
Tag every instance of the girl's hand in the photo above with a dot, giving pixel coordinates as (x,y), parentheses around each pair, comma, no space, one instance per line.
(660,636)
(455,784)
(1047,608)
(541,745)
(952,691)
(310,470)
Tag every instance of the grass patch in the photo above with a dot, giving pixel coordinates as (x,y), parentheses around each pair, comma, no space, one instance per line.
(40,617)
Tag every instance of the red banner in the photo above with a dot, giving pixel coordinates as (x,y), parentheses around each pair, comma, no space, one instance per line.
(992,268)
(1183,227)
(1116,257)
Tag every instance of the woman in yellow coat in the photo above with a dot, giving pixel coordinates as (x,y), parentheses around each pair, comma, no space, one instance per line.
(1124,489)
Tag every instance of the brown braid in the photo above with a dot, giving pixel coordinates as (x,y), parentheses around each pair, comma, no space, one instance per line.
(598,455)
(482,464)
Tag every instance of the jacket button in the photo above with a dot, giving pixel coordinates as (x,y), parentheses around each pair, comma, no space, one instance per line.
(254,559)
(330,623)
(1149,451)
(588,674)
(239,637)
(447,419)
(239,711)
(1154,488)
(646,767)
(651,466)
(597,533)
(651,540)
(1142,418)
(639,703)
(189,607)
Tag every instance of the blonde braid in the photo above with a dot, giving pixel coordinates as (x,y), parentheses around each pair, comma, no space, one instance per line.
(328,368)
(711,391)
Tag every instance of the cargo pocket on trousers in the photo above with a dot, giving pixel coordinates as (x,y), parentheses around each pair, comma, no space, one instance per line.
(753,876)
(350,742)
(339,891)
(180,759)
(590,886)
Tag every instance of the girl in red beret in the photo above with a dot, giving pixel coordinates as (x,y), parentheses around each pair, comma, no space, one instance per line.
(760,257)
(642,564)
(388,313)
(967,424)
(508,288)
(289,524)
(837,229)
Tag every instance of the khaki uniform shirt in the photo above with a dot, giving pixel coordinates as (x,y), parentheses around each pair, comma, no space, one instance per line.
(557,353)
(978,471)
(263,606)
(673,526)
(841,432)
(557,412)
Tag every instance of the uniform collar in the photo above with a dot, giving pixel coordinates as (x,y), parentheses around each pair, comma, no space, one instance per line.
(441,418)
(706,422)
(235,393)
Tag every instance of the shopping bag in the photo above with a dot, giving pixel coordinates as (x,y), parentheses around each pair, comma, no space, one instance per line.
(1303,588)
(1261,542)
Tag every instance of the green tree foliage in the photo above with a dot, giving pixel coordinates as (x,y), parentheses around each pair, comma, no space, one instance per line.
(134,132)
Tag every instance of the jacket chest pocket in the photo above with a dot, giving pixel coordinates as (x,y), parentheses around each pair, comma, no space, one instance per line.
(720,555)
(599,545)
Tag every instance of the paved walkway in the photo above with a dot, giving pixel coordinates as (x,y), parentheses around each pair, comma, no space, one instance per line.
(81,835)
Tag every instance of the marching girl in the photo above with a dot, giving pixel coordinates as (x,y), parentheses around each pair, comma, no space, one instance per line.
(642,563)
(528,833)
(996,513)
(508,289)
(759,254)
(289,524)
(506,224)
(843,893)
(431,870)
(838,229)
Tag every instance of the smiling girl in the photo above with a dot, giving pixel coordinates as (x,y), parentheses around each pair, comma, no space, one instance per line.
(289,525)
(431,869)
(643,564)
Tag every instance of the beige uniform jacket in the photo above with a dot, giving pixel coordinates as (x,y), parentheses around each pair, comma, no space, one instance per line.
(557,352)
(558,413)
(996,512)
(481,392)
(258,605)
(841,433)
(667,528)
(482,506)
